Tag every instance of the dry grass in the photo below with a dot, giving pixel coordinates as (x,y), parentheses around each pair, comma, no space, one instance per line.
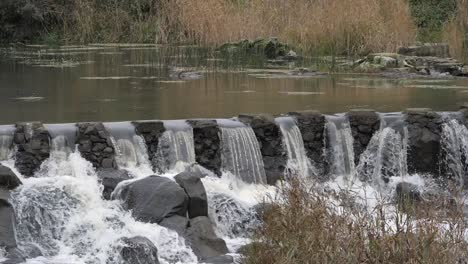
(303,227)
(320,26)
(456,33)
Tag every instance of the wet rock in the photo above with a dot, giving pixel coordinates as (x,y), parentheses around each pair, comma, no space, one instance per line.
(95,145)
(151,132)
(153,198)
(207,142)
(8,179)
(364,123)
(269,138)
(138,250)
(177,223)
(424,129)
(193,186)
(428,49)
(7,229)
(203,240)
(32,141)
(226,259)
(110,178)
(312,127)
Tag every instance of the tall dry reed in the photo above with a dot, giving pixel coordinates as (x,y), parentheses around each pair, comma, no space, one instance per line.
(456,33)
(320,26)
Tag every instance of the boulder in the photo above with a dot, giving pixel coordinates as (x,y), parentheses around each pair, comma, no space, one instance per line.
(33,148)
(176,223)
(153,198)
(193,186)
(110,178)
(138,250)
(207,143)
(8,179)
(203,240)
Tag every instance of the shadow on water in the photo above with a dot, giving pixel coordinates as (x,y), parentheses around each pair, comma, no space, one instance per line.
(133,82)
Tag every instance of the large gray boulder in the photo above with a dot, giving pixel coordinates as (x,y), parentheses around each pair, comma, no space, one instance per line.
(193,186)
(110,178)
(8,178)
(153,198)
(203,240)
(176,223)
(138,250)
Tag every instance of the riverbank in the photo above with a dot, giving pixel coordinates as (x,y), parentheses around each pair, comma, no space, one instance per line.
(339,27)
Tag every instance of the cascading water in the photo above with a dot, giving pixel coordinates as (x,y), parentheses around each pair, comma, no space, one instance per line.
(130,148)
(340,149)
(6,141)
(176,147)
(62,218)
(241,155)
(454,142)
(298,163)
(385,156)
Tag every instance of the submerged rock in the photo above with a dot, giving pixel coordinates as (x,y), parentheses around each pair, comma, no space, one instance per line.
(193,186)
(153,198)
(138,250)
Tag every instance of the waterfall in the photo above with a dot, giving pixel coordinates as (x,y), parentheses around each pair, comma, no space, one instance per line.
(176,147)
(130,148)
(61,217)
(241,155)
(6,141)
(340,146)
(386,154)
(454,143)
(298,163)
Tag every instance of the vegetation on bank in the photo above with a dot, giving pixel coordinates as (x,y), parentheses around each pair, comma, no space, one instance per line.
(317,26)
(305,226)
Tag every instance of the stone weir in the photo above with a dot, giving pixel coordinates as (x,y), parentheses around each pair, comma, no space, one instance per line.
(333,144)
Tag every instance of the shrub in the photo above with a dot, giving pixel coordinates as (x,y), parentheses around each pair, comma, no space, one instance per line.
(304,226)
